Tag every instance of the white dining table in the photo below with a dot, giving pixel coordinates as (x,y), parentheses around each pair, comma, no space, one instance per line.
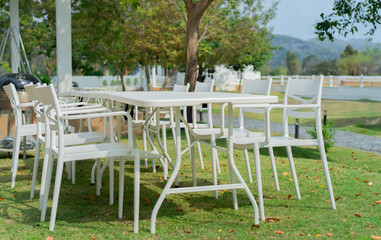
(176,100)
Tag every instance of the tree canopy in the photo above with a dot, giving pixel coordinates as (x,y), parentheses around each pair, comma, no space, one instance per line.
(347,16)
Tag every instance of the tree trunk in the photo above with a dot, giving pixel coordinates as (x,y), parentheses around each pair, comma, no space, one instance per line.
(169,79)
(122,82)
(195,12)
(146,70)
(200,77)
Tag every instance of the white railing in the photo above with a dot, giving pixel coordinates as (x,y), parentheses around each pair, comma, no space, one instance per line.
(334,81)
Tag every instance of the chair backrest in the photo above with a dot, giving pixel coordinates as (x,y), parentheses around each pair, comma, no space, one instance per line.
(48,97)
(37,105)
(303,92)
(204,86)
(257,86)
(181,88)
(11,92)
(14,100)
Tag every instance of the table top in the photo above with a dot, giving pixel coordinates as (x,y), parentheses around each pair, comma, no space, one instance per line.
(174,99)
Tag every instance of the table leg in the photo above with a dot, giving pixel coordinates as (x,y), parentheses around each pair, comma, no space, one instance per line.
(173,175)
(234,170)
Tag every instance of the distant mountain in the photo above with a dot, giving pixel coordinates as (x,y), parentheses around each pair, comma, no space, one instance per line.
(324,50)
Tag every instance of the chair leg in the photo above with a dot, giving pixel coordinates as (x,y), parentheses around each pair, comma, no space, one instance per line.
(324,162)
(45,171)
(24,147)
(68,169)
(136,189)
(98,178)
(73,172)
(15,157)
(214,164)
(47,186)
(93,173)
(248,165)
(189,143)
(121,187)
(145,147)
(273,165)
(111,173)
(164,134)
(35,168)
(200,155)
(293,171)
(56,194)
(258,175)
(193,161)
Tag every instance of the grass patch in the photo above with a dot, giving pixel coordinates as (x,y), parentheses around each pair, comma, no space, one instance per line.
(83,215)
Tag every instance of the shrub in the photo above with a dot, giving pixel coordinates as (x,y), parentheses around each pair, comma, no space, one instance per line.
(328,134)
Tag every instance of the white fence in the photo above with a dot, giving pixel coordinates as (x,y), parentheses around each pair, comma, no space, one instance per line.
(334,81)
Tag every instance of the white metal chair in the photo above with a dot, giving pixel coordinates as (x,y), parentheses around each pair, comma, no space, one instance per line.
(308,93)
(70,139)
(21,128)
(263,87)
(55,127)
(201,87)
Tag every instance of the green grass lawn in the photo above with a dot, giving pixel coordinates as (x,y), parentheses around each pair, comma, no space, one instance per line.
(356,178)
(353,116)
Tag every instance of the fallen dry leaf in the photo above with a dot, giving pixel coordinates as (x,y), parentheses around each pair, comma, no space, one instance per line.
(378,202)
(219,230)
(357,215)
(357,178)
(370,226)
(94,238)
(231,231)
(286,173)
(188,232)
(375,237)
(91,197)
(49,238)
(279,232)
(288,196)
(344,220)
(301,234)
(312,191)
(179,209)
(322,186)
(364,181)
(370,183)
(1,199)
(329,234)
(358,194)
(318,235)
(268,220)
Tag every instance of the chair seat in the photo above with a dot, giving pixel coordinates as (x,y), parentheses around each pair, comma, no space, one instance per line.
(281,141)
(206,133)
(245,139)
(101,150)
(28,129)
(80,138)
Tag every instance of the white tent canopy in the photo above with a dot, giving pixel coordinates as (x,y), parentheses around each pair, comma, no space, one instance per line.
(63,36)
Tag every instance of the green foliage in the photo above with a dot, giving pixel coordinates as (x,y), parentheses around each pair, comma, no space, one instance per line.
(347,16)
(104,83)
(136,81)
(128,81)
(113,82)
(328,134)
(294,67)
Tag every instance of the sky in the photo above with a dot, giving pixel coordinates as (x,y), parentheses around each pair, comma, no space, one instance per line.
(296,18)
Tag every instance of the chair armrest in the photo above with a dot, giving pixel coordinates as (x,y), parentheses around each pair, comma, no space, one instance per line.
(27,104)
(107,114)
(85,111)
(283,106)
